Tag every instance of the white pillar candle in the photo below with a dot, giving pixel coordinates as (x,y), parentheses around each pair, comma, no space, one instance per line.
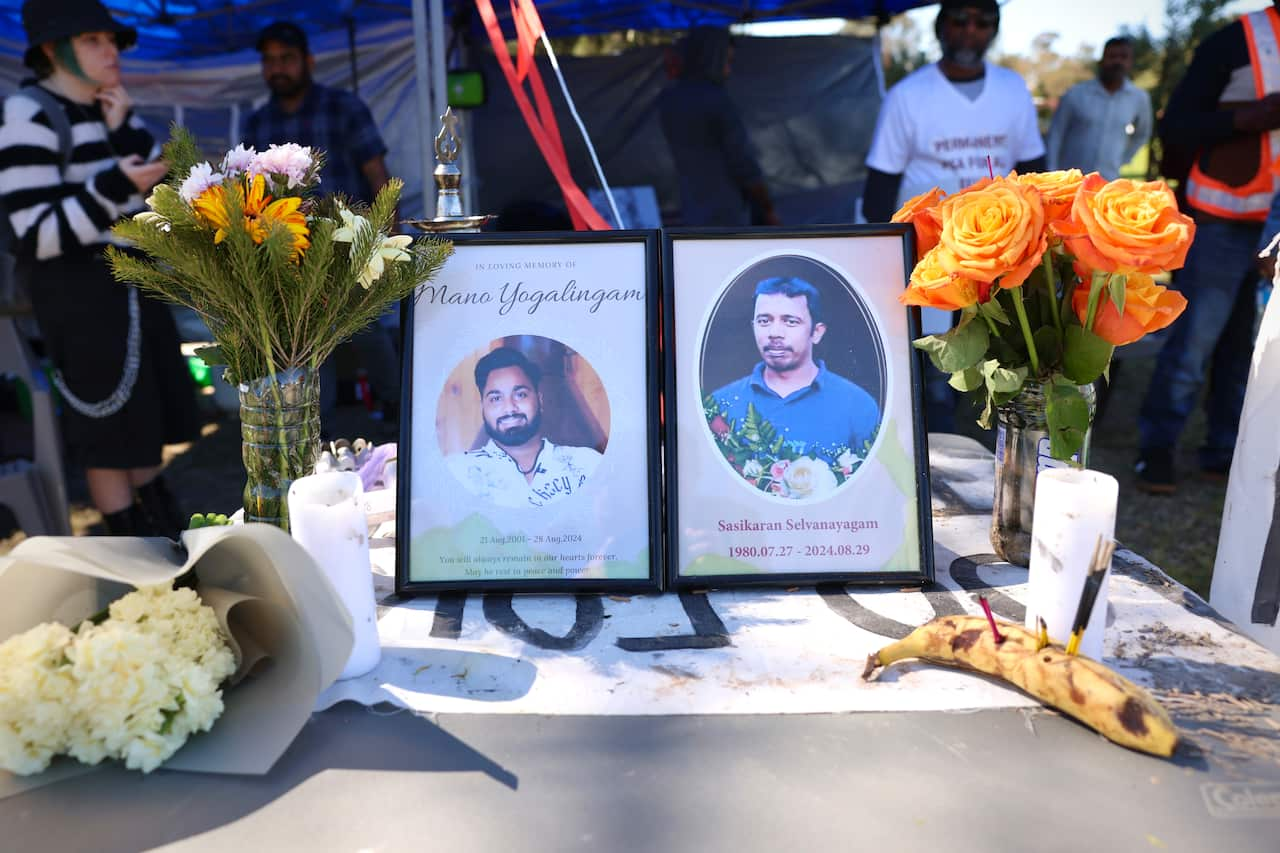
(326,518)
(1073,507)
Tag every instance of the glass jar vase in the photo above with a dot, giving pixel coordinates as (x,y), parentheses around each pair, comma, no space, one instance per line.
(1022,452)
(280,435)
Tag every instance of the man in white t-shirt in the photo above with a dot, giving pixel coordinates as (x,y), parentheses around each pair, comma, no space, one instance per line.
(938,126)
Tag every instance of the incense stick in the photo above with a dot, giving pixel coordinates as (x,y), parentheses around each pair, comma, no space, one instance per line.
(986,608)
(1098,566)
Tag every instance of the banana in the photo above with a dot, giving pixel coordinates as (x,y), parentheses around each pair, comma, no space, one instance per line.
(1110,704)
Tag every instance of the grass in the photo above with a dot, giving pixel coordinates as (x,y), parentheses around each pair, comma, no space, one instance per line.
(1136,168)
(1178,532)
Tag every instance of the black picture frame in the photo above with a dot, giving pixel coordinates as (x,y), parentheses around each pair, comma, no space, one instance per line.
(675,394)
(472,246)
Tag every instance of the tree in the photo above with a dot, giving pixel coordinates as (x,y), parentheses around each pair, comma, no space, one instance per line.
(1146,56)
(1049,74)
(611,43)
(902,49)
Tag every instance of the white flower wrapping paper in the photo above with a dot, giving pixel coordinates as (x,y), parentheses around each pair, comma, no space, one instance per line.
(289,630)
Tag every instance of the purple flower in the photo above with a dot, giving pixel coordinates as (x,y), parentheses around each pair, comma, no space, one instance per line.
(289,161)
(238,160)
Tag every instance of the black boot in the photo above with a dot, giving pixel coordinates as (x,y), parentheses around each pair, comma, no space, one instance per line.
(128,522)
(161,509)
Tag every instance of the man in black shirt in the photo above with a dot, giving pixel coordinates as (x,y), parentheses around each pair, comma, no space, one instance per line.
(1227,111)
(720,180)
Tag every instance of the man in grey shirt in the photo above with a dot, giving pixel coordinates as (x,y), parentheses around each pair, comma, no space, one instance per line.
(1100,124)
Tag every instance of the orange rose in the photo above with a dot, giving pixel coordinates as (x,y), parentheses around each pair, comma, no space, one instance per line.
(922,212)
(933,287)
(1148,307)
(1057,190)
(1127,226)
(992,230)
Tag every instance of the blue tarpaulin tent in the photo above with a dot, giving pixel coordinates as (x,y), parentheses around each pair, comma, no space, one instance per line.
(195,61)
(174,29)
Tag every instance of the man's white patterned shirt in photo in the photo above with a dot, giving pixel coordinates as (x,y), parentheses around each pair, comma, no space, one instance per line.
(491,473)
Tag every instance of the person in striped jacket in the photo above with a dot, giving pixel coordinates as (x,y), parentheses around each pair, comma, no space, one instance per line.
(117,364)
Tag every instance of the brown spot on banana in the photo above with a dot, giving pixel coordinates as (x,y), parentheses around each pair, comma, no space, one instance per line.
(1077,695)
(964,641)
(1133,717)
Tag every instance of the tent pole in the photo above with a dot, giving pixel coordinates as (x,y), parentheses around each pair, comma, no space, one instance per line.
(426,113)
(439,74)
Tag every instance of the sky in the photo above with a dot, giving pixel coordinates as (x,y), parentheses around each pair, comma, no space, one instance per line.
(1076,21)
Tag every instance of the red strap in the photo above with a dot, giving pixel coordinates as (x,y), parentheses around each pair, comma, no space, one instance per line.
(528,31)
(542,124)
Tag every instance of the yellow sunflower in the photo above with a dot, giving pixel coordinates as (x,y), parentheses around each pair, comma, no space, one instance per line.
(261,214)
(211,207)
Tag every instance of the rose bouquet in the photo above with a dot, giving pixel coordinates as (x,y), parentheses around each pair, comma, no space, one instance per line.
(1050,272)
(766,460)
(280,276)
(132,684)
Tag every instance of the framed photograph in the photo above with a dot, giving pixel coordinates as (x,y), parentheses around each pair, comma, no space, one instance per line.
(529,457)
(796,448)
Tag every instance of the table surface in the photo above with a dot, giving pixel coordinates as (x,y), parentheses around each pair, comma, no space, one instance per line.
(359,779)
(384,778)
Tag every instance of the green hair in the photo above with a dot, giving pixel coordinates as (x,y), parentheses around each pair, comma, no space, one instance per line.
(66,54)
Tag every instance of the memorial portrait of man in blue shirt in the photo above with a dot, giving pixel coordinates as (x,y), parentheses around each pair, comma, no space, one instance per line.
(815,411)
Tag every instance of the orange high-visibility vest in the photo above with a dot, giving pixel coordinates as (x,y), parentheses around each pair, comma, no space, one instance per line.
(1251,200)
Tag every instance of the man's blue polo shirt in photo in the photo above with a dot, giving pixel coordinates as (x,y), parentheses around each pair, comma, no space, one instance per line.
(822,419)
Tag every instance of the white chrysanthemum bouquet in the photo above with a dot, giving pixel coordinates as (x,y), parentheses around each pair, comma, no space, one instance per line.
(133,687)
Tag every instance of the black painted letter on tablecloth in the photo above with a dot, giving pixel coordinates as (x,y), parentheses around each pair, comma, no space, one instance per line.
(447,624)
(838,599)
(964,570)
(588,618)
(708,630)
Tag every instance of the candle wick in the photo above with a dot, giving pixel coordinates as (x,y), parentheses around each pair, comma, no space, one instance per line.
(990,170)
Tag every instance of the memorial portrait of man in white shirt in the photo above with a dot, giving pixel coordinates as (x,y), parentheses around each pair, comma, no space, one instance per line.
(518,466)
